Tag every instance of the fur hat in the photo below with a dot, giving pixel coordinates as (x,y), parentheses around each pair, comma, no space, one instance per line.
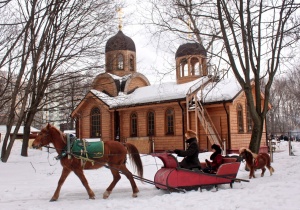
(216,147)
(191,133)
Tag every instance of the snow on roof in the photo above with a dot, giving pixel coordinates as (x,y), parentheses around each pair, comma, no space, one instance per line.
(70,131)
(21,129)
(223,90)
(148,94)
(116,77)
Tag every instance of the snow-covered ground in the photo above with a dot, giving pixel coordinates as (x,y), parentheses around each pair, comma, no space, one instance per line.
(28,183)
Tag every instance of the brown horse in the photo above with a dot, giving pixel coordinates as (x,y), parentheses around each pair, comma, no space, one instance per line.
(114,156)
(256,161)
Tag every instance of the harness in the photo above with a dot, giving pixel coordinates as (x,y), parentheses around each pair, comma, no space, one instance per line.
(82,149)
(255,161)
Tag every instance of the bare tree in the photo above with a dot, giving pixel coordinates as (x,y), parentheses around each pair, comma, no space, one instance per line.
(52,35)
(275,117)
(175,22)
(283,118)
(255,36)
(252,38)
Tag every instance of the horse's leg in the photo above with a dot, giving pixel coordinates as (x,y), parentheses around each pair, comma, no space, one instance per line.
(271,169)
(129,176)
(251,172)
(263,171)
(268,165)
(250,169)
(63,176)
(80,174)
(116,178)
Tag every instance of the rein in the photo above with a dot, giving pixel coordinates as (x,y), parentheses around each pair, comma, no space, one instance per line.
(134,176)
(108,167)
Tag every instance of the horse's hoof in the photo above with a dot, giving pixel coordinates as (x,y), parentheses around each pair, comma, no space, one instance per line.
(53,199)
(92,198)
(134,195)
(106,194)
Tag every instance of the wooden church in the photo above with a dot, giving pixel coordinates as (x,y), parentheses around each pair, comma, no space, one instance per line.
(123,106)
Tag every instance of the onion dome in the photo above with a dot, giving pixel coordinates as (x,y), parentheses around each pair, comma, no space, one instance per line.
(190,49)
(119,42)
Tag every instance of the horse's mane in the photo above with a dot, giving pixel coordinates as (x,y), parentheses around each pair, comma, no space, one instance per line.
(49,126)
(248,150)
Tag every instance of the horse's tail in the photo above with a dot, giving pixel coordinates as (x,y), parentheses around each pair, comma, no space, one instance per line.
(268,163)
(135,158)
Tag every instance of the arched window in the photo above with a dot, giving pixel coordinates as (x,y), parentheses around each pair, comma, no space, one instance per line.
(150,123)
(95,123)
(170,122)
(196,67)
(133,125)
(249,120)
(131,63)
(194,61)
(183,68)
(120,62)
(240,122)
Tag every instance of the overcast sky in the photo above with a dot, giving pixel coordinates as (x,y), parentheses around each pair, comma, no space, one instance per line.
(155,61)
(156,55)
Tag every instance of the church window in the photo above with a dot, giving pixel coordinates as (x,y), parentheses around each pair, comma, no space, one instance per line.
(131,63)
(240,122)
(196,67)
(95,123)
(170,122)
(120,62)
(150,123)
(133,125)
(183,68)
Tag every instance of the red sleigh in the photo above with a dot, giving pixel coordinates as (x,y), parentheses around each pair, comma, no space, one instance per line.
(171,176)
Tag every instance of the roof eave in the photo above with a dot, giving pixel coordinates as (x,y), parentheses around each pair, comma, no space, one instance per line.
(148,103)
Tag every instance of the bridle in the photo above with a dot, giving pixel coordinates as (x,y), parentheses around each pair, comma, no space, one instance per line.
(42,141)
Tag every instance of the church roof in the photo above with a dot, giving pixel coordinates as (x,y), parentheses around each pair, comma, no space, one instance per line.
(224,90)
(119,42)
(190,49)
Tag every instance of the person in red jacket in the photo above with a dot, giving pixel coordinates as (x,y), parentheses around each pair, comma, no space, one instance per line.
(216,159)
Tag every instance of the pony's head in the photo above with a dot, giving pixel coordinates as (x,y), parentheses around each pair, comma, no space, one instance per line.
(45,136)
(245,153)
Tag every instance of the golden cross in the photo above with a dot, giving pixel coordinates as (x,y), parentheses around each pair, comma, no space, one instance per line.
(120,13)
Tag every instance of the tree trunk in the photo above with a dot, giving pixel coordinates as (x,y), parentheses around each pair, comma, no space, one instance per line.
(7,149)
(256,136)
(26,134)
(28,121)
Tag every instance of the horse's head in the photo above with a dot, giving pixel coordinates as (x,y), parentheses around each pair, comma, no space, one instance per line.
(43,138)
(242,152)
(245,153)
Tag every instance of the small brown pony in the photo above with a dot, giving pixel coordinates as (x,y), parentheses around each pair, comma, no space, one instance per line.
(256,161)
(114,155)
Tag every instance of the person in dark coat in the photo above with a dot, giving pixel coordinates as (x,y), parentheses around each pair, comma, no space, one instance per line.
(190,155)
(216,159)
